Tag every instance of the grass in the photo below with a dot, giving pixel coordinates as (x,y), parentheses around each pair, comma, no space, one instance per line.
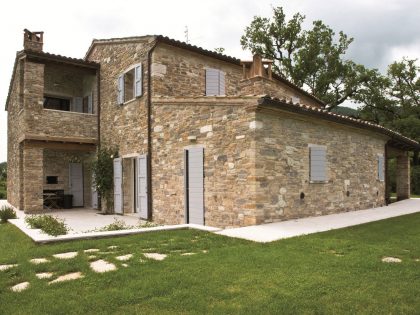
(337,272)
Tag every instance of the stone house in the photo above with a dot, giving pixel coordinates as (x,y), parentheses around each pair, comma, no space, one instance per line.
(202,137)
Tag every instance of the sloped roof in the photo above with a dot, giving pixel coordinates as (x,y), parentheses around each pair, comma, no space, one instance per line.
(397,139)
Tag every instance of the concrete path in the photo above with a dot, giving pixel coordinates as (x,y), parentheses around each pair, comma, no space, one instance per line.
(285,229)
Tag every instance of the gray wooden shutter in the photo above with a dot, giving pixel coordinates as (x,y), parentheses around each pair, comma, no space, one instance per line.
(212,82)
(137,81)
(120,96)
(90,103)
(142,195)
(318,164)
(195,185)
(77,105)
(381,168)
(221,83)
(118,185)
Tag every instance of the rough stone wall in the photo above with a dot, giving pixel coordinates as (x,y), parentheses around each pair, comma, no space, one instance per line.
(282,168)
(179,72)
(56,163)
(274,88)
(15,127)
(224,132)
(32,179)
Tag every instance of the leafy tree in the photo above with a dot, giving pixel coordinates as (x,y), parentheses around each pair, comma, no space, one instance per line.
(312,59)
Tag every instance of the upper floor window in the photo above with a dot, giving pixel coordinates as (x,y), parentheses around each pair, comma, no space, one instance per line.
(130,85)
(215,82)
(318,163)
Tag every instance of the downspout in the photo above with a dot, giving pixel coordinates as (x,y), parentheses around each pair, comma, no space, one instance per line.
(149,132)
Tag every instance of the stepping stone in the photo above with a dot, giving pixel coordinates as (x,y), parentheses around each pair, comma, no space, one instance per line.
(20,287)
(124,265)
(187,254)
(7,267)
(155,256)
(124,257)
(91,250)
(44,275)
(68,255)
(101,266)
(205,251)
(417,259)
(92,257)
(68,277)
(113,247)
(38,261)
(391,260)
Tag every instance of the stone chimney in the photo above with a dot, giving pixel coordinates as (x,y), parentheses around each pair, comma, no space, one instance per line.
(33,40)
(257,68)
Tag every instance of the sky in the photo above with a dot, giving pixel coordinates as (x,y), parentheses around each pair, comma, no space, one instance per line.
(383,31)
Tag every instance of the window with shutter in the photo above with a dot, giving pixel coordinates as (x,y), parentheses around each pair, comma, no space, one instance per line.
(215,82)
(381,168)
(120,96)
(318,163)
(137,84)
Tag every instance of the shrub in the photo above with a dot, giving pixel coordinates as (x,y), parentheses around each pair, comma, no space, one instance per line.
(48,224)
(115,226)
(148,224)
(415,180)
(7,213)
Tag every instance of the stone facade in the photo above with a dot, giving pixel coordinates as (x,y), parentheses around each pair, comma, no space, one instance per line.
(284,189)
(256,160)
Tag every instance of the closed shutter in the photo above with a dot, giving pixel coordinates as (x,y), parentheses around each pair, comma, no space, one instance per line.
(137,81)
(142,196)
(318,167)
(212,82)
(381,168)
(117,186)
(195,185)
(120,95)
(77,105)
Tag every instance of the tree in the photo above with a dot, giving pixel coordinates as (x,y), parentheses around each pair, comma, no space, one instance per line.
(312,59)
(3,171)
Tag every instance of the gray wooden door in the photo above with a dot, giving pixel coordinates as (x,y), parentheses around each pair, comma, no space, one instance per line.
(194,185)
(76,183)
(141,185)
(118,186)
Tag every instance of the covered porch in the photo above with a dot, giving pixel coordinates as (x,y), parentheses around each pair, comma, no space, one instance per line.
(56,175)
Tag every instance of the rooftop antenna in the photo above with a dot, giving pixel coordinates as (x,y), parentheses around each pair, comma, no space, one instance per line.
(186,35)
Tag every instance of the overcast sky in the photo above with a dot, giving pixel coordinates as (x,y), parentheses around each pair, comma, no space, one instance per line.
(383,30)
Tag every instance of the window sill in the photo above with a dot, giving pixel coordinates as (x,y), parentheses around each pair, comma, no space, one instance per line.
(318,182)
(130,101)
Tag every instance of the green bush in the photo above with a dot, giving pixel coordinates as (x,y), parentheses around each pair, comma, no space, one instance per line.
(115,226)
(7,213)
(48,224)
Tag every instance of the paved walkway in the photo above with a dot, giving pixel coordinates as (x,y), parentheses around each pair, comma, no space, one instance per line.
(285,229)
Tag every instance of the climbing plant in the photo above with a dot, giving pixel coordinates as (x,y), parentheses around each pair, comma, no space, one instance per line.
(103,174)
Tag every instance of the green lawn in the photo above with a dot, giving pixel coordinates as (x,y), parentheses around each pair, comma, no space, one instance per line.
(334,272)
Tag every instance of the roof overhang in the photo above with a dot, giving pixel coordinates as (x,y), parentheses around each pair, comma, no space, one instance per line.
(396,139)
